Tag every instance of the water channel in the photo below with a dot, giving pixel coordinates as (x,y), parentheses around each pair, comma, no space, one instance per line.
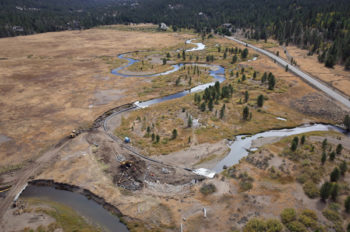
(89,209)
(239,148)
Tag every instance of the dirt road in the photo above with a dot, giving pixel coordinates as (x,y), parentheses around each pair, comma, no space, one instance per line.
(25,174)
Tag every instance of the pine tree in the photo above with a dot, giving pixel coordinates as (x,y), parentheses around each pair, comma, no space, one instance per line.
(244,53)
(335,175)
(347,64)
(234,59)
(174,134)
(296,140)
(260,100)
(246,96)
(334,191)
(339,149)
(324,144)
(325,191)
(294,146)
(347,122)
(263,78)
(302,141)
(272,82)
(217,87)
(189,122)
(324,158)
(157,138)
(330,61)
(210,105)
(222,111)
(332,156)
(343,168)
(177,82)
(203,107)
(347,204)
(245,113)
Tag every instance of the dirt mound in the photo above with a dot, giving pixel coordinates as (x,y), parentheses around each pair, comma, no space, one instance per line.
(130,171)
(130,174)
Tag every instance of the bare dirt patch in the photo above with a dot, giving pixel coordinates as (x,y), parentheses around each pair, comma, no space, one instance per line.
(315,104)
(4,139)
(25,217)
(103,97)
(202,155)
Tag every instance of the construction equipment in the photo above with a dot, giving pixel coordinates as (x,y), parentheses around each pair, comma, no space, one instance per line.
(74,133)
(126,164)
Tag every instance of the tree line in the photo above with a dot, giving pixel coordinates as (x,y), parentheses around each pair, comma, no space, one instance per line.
(321,26)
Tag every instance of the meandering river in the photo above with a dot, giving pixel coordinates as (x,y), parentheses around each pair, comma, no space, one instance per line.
(241,146)
(239,149)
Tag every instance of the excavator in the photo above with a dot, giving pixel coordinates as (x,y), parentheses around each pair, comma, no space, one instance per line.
(126,164)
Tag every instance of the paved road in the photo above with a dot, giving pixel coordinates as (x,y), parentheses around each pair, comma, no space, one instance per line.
(311,80)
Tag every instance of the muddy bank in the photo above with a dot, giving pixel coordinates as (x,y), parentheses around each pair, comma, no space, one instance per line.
(100,120)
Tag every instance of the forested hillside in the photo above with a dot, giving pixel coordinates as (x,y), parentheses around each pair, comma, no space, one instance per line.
(321,26)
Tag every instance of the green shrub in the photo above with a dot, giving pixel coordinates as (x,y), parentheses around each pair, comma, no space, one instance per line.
(245,181)
(347,204)
(312,174)
(273,225)
(207,189)
(296,226)
(307,221)
(332,215)
(288,215)
(334,206)
(311,189)
(260,225)
(245,185)
(309,213)
(255,225)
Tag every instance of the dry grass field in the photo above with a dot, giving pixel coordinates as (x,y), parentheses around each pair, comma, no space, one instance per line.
(54,82)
